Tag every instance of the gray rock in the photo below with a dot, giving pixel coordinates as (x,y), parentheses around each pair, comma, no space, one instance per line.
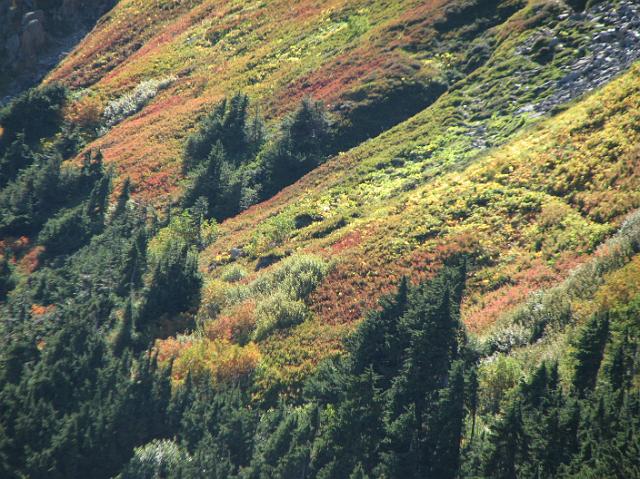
(33,39)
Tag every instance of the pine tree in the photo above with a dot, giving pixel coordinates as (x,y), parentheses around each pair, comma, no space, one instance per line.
(378,342)
(303,142)
(134,264)
(174,286)
(506,444)
(432,327)
(589,349)
(445,423)
(205,179)
(17,156)
(353,434)
(96,206)
(472,399)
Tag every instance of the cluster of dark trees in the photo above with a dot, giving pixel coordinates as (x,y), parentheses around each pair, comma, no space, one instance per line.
(231,164)
(80,395)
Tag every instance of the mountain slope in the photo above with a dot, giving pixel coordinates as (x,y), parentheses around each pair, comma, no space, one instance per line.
(430,271)
(361,59)
(527,212)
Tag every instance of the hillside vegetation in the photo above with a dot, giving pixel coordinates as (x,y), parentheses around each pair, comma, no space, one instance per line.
(326,239)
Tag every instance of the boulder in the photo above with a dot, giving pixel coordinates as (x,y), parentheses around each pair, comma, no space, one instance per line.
(33,39)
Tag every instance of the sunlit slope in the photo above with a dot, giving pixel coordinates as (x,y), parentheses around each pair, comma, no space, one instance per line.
(497,152)
(373,64)
(527,213)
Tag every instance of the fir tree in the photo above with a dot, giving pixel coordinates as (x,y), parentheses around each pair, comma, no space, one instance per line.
(589,349)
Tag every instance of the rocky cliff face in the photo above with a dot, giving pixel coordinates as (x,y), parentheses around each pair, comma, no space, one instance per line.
(35,34)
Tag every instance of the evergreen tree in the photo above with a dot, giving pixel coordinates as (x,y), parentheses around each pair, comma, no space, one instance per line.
(35,114)
(445,423)
(134,264)
(303,142)
(472,399)
(506,446)
(174,286)
(413,422)
(353,432)
(589,349)
(28,201)
(6,278)
(17,156)
(378,342)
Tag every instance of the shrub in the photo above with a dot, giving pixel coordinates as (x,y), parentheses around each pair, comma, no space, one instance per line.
(218,295)
(273,232)
(86,112)
(553,307)
(233,273)
(132,102)
(235,325)
(279,294)
(208,233)
(219,360)
(297,277)
(276,312)
(181,230)
(496,378)
(158,458)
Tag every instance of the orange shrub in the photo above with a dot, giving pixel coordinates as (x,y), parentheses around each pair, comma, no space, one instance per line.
(85,113)
(235,325)
(224,361)
(31,261)
(168,349)
(39,310)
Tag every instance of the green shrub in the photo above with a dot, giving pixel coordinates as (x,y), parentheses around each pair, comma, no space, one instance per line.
(233,273)
(276,312)
(297,277)
(496,378)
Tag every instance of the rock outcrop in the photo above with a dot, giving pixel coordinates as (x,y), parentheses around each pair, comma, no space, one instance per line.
(34,35)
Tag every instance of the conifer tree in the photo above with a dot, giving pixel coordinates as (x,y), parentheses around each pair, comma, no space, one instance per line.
(589,349)
(506,444)
(174,286)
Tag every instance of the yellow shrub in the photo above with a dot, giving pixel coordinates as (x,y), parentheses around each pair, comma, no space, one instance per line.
(219,359)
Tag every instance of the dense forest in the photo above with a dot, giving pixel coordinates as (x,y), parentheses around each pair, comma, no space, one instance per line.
(85,394)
